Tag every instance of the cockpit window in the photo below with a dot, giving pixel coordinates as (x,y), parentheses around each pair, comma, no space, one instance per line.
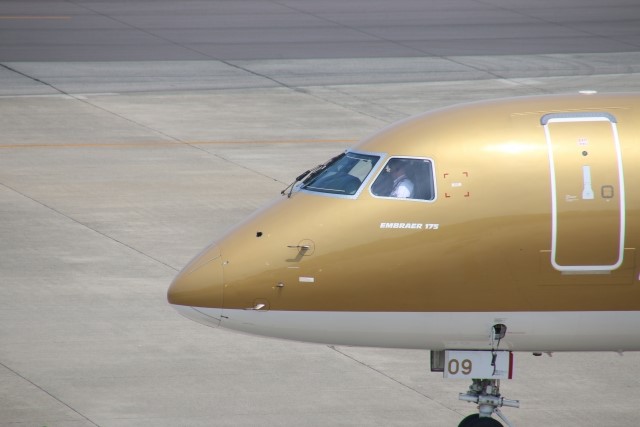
(405,178)
(343,176)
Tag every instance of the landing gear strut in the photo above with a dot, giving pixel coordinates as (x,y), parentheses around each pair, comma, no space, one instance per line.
(486,393)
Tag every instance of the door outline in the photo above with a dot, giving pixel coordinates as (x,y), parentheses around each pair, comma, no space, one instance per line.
(573,118)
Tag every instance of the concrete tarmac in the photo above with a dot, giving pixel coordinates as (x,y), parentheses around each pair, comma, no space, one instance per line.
(134,133)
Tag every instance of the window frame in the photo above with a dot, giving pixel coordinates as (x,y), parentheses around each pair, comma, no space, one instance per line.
(386,161)
(363,185)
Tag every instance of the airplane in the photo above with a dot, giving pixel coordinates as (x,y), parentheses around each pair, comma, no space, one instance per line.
(473,231)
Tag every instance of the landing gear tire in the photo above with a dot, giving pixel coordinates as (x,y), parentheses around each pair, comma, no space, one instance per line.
(474,420)
(486,393)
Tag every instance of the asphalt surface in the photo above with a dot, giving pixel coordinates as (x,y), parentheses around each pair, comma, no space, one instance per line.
(302,29)
(133,133)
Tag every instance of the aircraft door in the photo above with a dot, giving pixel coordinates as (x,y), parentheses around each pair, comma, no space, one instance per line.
(587,192)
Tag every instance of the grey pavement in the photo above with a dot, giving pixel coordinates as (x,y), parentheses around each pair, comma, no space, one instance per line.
(111,30)
(134,133)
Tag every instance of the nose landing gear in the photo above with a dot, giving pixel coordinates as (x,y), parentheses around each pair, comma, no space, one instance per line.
(486,393)
(485,368)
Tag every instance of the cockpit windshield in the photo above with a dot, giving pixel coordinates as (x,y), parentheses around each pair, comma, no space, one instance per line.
(343,176)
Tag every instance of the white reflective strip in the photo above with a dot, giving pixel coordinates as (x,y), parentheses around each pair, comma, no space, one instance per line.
(526,331)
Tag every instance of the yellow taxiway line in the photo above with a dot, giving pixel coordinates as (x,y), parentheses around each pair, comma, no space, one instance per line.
(176,144)
(29,17)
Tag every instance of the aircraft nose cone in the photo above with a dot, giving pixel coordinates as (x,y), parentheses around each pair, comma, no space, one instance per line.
(196,292)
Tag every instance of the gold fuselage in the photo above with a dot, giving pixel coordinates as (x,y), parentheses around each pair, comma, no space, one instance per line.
(484,243)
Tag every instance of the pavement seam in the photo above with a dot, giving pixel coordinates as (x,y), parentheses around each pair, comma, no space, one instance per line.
(88,227)
(395,42)
(49,394)
(35,79)
(561,24)
(141,125)
(338,89)
(332,347)
(152,34)
(228,62)
(86,102)
(356,29)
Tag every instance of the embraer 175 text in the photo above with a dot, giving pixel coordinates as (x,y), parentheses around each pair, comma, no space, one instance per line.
(473,231)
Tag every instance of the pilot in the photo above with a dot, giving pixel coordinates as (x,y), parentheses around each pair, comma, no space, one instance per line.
(402,185)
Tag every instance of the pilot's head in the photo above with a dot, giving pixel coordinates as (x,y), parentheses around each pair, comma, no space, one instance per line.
(396,167)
